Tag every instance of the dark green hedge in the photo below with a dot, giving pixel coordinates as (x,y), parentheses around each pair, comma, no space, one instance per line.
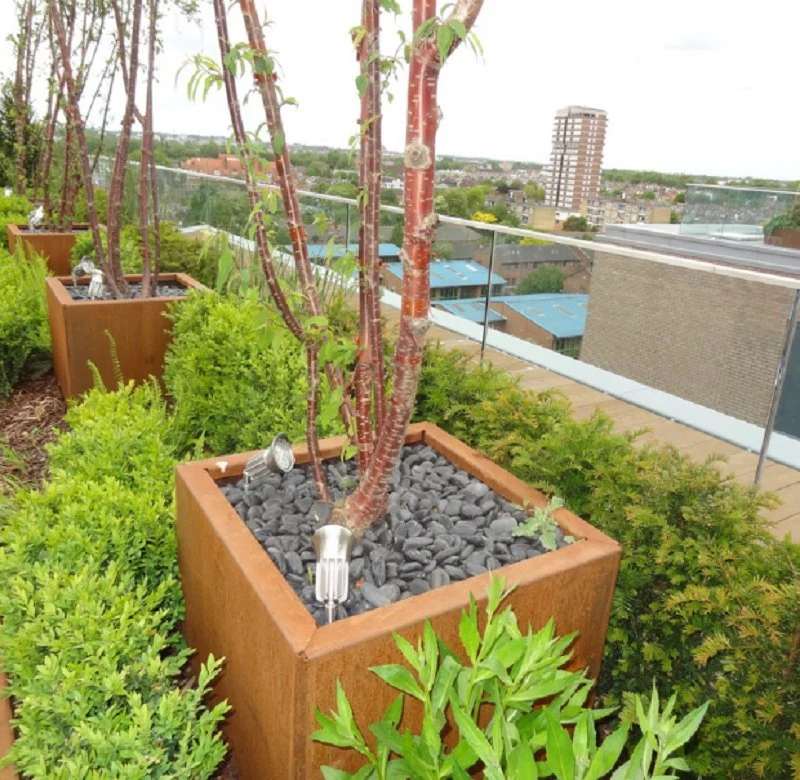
(707,602)
(24,330)
(90,599)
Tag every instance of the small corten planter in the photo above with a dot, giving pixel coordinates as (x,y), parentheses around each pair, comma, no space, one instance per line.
(789,238)
(6,730)
(280,665)
(80,333)
(53,246)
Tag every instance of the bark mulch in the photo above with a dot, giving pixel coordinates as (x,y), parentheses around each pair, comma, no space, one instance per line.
(29,419)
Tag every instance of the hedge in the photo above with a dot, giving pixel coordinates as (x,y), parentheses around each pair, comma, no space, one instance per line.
(707,602)
(91,605)
(24,330)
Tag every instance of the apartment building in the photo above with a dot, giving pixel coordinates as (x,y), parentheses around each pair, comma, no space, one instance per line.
(610,211)
(572,175)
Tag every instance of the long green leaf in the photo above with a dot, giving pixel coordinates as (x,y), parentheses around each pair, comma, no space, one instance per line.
(399,677)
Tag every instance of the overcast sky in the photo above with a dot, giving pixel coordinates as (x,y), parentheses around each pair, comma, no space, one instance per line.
(697,86)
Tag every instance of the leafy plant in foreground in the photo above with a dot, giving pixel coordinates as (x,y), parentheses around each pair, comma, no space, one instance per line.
(510,673)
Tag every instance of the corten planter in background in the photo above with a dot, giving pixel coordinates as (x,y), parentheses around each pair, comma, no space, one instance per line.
(53,246)
(280,665)
(6,731)
(789,238)
(80,334)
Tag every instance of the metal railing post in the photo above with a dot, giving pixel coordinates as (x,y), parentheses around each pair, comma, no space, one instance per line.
(780,379)
(488,296)
(347,227)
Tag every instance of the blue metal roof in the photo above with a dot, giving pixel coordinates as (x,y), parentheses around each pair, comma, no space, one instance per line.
(453,273)
(471,309)
(562,314)
(322,251)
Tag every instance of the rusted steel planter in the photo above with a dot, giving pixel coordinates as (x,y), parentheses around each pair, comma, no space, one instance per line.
(785,237)
(80,334)
(54,247)
(280,665)
(6,730)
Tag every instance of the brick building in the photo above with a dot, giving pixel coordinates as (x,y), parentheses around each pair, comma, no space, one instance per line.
(222,165)
(516,261)
(555,321)
(572,175)
(610,211)
(712,339)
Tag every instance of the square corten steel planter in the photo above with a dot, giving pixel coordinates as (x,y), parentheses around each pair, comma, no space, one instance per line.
(78,329)
(53,246)
(280,665)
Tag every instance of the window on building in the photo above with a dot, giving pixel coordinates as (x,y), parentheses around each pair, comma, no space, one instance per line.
(571,347)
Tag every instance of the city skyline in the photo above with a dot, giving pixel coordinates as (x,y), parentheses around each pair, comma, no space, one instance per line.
(697,92)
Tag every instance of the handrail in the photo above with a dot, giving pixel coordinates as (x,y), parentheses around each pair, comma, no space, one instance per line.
(608,248)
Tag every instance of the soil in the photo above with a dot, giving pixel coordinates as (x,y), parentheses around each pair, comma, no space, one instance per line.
(442,525)
(80,292)
(29,419)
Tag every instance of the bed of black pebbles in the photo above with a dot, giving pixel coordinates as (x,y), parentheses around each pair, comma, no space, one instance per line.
(80,292)
(442,525)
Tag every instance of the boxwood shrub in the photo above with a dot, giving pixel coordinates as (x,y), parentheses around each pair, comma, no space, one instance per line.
(24,330)
(91,603)
(707,602)
(235,376)
(14,209)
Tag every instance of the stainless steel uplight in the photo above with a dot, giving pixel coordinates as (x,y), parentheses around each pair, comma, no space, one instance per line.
(332,544)
(277,459)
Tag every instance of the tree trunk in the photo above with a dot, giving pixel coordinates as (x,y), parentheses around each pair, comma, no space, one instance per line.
(23,44)
(147,140)
(116,188)
(265,256)
(74,111)
(148,283)
(368,503)
(287,184)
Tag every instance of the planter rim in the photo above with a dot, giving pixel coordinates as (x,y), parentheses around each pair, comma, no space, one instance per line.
(279,599)
(58,286)
(22,230)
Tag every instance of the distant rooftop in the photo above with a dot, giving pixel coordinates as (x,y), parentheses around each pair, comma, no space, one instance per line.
(453,273)
(323,251)
(561,314)
(471,309)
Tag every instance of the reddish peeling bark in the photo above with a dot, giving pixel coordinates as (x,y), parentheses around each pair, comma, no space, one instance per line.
(262,244)
(116,188)
(265,257)
(368,503)
(312,441)
(24,43)
(151,67)
(74,112)
(287,184)
(146,157)
(369,375)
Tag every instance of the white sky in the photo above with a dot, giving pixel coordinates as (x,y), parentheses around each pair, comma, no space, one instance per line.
(698,86)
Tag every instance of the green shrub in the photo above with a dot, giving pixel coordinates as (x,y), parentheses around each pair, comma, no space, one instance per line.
(91,604)
(707,602)
(179,253)
(100,202)
(129,249)
(14,210)
(24,329)
(237,377)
